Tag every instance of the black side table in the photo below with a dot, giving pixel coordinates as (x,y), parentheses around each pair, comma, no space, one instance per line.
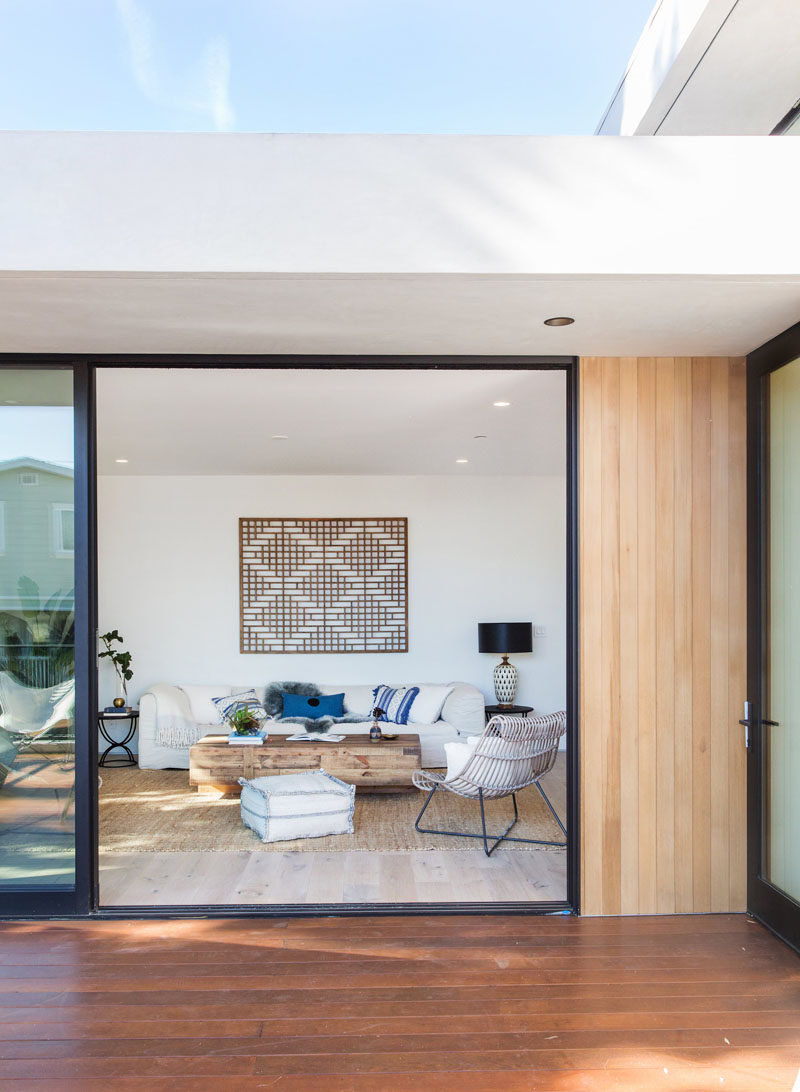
(507,710)
(107,721)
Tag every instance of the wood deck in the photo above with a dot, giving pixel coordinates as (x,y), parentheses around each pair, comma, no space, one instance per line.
(473,1004)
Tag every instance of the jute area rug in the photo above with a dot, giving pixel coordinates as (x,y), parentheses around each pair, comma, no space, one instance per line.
(155,811)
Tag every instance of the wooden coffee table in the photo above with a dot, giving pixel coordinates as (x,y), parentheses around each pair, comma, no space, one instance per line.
(216,765)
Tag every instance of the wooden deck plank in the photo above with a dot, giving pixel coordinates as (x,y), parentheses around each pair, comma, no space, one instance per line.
(356,1005)
(423,925)
(765,1079)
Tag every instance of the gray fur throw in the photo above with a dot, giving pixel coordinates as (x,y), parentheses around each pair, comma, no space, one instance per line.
(273,703)
(273,698)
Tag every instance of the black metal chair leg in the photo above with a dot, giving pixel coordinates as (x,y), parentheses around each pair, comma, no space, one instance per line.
(505,833)
(486,849)
(552,809)
(422,812)
(484,836)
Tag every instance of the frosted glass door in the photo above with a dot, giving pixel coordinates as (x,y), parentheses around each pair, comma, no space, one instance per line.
(781,728)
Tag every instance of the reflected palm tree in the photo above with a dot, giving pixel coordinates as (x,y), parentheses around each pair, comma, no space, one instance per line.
(38,641)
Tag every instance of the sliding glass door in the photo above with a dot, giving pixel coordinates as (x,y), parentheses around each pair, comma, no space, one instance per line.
(38,548)
(772,719)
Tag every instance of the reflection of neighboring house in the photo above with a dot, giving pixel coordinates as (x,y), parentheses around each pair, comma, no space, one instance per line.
(37,532)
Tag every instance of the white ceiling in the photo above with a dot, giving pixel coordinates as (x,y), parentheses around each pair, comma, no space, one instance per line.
(209,421)
(429,314)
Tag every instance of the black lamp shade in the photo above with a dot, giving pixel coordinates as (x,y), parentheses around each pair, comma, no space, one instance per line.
(505,637)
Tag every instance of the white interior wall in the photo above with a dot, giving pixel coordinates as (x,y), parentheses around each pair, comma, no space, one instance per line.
(480,549)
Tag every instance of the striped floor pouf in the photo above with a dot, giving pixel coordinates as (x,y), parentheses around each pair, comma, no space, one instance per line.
(301,805)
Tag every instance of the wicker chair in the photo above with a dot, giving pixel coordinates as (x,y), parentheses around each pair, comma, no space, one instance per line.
(512,753)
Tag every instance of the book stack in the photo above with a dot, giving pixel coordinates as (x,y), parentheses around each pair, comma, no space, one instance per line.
(255,740)
(121,712)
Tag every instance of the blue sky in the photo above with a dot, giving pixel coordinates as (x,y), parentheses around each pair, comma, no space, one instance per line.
(434,66)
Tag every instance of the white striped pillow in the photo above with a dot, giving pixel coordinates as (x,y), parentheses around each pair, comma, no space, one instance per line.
(395,702)
(245,699)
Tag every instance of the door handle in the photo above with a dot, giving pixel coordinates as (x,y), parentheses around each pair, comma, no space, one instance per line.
(747,724)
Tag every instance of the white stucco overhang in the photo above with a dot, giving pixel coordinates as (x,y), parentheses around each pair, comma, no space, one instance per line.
(128,242)
(702,67)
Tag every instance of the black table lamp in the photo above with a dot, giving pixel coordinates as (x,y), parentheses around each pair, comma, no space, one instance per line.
(505,637)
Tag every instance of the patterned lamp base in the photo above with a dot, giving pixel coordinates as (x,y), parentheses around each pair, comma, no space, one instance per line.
(505,682)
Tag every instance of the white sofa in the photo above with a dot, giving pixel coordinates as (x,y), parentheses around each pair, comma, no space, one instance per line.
(462,715)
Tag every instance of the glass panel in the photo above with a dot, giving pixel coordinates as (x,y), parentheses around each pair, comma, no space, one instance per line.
(37,644)
(782,704)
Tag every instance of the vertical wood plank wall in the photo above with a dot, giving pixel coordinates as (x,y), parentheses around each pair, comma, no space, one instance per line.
(662,634)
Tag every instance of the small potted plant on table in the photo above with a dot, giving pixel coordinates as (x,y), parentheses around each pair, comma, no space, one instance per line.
(244,722)
(122,664)
(246,725)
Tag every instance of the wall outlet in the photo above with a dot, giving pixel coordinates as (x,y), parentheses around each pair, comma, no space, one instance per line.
(540,631)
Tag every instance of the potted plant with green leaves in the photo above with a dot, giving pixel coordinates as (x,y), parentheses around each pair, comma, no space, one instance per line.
(243,721)
(121,661)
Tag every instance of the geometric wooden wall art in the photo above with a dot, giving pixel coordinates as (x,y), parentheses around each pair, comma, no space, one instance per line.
(324,585)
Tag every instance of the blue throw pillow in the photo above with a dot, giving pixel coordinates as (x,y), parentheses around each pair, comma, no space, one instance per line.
(395,702)
(326,705)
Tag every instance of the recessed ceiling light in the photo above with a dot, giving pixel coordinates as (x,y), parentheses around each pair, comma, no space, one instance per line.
(462,460)
(120,460)
(280,436)
(501,403)
(559,320)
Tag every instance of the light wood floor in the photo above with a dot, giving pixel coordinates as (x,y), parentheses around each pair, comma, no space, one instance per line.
(307,877)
